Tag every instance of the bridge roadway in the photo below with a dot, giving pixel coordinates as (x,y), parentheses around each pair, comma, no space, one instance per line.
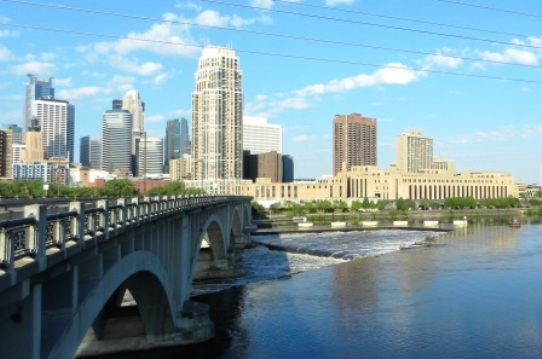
(64,275)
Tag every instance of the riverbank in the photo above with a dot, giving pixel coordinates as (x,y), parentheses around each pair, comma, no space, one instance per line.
(386,218)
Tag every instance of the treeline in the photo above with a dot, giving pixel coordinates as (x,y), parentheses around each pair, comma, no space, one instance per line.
(321,206)
(112,188)
(326,206)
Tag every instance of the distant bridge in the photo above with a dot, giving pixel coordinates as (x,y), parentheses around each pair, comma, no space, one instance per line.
(63,276)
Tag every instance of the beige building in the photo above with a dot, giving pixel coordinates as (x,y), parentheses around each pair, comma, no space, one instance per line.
(180,168)
(370,182)
(33,152)
(414,151)
(354,141)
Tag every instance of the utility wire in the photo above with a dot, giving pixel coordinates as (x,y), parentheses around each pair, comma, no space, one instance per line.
(279,35)
(390,17)
(490,8)
(320,17)
(391,27)
(297,57)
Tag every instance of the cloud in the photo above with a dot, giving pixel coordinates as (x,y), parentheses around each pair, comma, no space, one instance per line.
(332,3)
(511,55)
(5,54)
(446,61)
(168,38)
(506,133)
(266,4)
(303,138)
(391,74)
(34,67)
(8,33)
(63,82)
(82,92)
(155,119)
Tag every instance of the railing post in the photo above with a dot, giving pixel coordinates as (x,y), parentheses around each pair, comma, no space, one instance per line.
(35,241)
(122,220)
(104,218)
(6,250)
(78,226)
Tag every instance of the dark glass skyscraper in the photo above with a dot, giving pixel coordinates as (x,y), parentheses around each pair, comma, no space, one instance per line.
(177,141)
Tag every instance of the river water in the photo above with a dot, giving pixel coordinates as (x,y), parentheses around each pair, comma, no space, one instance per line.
(471,293)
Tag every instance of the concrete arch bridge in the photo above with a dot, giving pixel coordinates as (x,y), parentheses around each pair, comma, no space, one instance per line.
(63,275)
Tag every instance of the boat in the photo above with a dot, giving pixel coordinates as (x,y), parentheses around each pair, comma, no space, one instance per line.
(514,223)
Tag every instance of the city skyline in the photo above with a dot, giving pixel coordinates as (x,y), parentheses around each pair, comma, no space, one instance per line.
(377,61)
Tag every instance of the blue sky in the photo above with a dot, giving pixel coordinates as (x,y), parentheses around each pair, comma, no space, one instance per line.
(465,72)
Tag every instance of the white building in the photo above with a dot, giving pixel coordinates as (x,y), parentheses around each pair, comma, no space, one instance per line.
(117,140)
(414,151)
(261,137)
(57,119)
(217,113)
(37,89)
(151,154)
(132,103)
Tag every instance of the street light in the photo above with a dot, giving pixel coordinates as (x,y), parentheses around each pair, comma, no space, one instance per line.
(139,134)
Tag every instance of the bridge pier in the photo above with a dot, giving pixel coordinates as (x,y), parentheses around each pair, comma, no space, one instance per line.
(126,332)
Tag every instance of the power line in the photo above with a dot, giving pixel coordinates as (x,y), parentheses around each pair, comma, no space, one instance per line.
(287,36)
(390,27)
(320,17)
(490,8)
(384,16)
(297,57)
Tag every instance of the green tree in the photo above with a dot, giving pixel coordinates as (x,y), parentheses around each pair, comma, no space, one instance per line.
(118,188)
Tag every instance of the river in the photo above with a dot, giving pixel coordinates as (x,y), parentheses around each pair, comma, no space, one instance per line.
(471,293)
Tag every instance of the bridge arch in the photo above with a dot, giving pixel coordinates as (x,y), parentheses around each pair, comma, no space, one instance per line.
(142,273)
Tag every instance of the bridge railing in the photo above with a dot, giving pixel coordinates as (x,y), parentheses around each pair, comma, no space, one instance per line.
(31,237)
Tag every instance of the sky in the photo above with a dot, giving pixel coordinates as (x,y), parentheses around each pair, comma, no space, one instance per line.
(465,72)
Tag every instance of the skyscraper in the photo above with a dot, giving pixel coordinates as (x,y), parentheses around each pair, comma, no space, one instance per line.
(217,112)
(133,103)
(90,151)
(354,141)
(57,120)
(150,156)
(37,89)
(117,140)
(261,137)
(6,154)
(177,141)
(414,151)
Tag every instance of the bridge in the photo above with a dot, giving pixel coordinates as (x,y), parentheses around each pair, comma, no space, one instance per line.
(65,275)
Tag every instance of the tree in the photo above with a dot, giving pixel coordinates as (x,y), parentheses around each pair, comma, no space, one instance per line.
(366,204)
(118,188)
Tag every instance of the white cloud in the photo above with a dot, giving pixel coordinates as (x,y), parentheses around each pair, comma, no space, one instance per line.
(266,4)
(34,67)
(8,33)
(303,138)
(63,82)
(516,56)
(506,133)
(441,60)
(332,3)
(5,54)
(391,74)
(155,119)
(82,92)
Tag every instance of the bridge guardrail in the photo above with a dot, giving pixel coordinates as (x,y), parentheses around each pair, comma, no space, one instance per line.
(33,235)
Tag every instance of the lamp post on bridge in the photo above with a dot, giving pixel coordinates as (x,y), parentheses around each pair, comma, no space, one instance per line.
(142,133)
